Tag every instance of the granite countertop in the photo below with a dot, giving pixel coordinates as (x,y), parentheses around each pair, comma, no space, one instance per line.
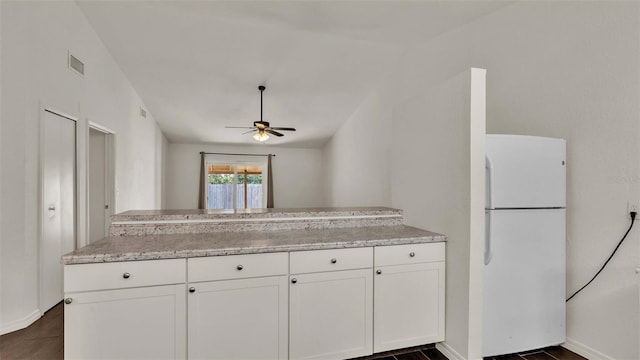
(201,214)
(151,247)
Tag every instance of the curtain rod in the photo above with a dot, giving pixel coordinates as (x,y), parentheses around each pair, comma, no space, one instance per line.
(214,153)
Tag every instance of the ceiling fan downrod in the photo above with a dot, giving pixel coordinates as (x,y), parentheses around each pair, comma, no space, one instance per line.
(261,88)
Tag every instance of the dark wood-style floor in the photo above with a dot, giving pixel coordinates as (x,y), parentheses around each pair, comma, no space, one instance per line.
(429,352)
(44,339)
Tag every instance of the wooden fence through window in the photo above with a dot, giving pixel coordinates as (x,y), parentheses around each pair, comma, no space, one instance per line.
(220,196)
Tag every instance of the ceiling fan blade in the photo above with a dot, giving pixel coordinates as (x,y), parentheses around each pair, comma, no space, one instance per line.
(273,132)
(239,127)
(250,131)
(284,128)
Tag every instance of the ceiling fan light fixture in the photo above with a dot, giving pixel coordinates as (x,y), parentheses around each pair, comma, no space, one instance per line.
(262,127)
(261,136)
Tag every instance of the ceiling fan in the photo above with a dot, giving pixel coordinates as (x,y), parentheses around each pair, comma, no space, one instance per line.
(262,127)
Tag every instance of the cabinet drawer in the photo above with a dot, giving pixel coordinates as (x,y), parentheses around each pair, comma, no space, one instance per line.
(409,254)
(127,274)
(237,266)
(330,260)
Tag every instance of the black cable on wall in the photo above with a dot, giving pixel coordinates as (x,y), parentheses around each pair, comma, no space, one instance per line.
(633,218)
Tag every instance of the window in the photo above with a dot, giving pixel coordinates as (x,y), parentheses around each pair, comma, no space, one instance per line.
(236,185)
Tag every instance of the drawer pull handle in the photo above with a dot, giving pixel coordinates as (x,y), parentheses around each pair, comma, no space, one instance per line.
(334,260)
(68,301)
(412,254)
(294,280)
(126,275)
(192,289)
(239,267)
(378,272)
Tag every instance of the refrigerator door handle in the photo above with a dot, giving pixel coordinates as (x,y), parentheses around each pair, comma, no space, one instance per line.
(488,254)
(489,184)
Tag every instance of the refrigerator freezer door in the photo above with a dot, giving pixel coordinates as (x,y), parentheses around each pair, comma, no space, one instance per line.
(524,283)
(525,172)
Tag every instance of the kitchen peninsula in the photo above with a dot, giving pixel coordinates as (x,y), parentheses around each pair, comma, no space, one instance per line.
(329,283)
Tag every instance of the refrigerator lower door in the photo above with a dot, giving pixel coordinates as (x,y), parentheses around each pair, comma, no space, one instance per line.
(524,281)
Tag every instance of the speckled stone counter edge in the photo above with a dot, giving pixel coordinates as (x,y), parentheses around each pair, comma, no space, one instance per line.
(198,214)
(140,229)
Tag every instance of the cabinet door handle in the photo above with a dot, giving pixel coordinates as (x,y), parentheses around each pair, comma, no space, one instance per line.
(378,272)
(126,275)
(334,260)
(68,301)
(192,289)
(294,280)
(412,254)
(239,267)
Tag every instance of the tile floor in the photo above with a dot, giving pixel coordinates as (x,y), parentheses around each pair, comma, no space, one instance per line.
(429,352)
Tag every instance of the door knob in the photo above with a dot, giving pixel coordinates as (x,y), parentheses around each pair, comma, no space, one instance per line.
(52,208)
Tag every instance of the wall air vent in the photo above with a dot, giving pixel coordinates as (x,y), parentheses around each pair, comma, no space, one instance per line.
(76,65)
(143,112)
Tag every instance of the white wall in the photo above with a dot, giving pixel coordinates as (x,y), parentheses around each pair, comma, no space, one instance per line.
(576,77)
(569,70)
(297,174)
(437,167)
(35,38)
(356,159)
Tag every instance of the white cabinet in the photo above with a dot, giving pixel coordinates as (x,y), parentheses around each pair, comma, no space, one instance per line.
(113,312)
(409,296)
(244,318)
(321,304)
(331,312)
(238,319)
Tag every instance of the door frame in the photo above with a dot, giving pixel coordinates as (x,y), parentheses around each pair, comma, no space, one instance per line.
(110,174)
(44,109)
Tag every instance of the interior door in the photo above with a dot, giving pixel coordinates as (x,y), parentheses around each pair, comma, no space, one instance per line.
(58,216)
(97,184)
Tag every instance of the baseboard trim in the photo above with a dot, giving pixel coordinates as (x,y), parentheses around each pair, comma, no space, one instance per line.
(448,351)
(20,323)
(583,350)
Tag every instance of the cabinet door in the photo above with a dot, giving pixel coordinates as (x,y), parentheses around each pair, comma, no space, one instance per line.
(409,305)
(239,319)
(331,315)
(138,323)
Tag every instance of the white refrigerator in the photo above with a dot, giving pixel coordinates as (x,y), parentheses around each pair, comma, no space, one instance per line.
(524,273)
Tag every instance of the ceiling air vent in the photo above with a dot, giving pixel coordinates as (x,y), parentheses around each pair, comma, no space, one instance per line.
(76,65)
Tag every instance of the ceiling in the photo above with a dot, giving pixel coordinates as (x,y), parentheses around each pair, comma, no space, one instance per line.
(197,65)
